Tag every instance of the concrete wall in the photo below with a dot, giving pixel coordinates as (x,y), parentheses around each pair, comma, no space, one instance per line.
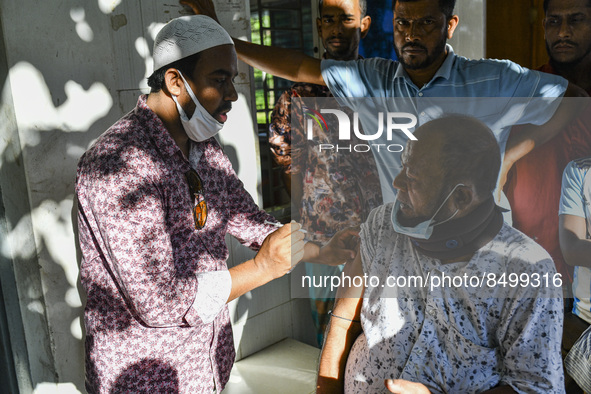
(68,70)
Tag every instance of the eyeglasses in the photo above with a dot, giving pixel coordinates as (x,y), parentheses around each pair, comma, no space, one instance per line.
(199,205)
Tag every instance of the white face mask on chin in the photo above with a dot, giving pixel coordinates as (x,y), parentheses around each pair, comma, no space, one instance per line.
(423,230)
(202,125)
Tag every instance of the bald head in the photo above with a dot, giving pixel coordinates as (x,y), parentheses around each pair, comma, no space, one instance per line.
(467,151)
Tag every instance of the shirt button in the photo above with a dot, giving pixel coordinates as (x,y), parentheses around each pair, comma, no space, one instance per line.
(420,94)
(433,313)
(452,244)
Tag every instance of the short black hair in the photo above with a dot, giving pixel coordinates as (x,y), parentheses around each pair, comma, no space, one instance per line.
(469,152)
(547,4)
(446,6)
(362,7)
(186,66)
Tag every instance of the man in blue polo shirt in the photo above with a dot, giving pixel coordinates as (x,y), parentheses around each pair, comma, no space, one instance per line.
(427,68)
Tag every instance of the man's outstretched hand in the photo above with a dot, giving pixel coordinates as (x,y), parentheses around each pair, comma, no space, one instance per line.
(201,7)
(342,248)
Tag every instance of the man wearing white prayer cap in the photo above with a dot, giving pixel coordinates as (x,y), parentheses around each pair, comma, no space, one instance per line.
(156,197)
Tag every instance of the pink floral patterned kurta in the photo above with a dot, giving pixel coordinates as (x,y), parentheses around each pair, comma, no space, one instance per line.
(142,256)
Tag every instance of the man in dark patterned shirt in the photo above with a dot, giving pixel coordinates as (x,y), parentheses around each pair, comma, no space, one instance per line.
(330,190)
(156,197)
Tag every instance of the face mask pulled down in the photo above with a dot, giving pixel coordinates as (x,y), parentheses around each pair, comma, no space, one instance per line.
(423,230)
(202,125)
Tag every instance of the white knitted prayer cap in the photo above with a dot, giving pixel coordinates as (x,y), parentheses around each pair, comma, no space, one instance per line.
(186,36)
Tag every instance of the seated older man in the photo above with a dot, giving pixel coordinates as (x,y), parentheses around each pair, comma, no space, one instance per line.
(445,297)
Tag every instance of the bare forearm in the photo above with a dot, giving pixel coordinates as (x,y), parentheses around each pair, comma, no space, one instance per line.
(578,251)
(340,339)
(246,277)
(530,136)
(576,248)
(518,145)
(279,251)
(343,330)
(311,252)
(285,63)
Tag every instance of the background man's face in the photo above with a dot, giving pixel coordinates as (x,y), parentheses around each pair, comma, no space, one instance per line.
(568,31)
(420,182)
(420,33)
(339,27)
(212,81)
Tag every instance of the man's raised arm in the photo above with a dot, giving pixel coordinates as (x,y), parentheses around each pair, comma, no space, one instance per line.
(281,62)
(531,136)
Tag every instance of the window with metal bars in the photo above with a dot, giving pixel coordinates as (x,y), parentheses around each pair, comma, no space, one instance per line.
(287,24)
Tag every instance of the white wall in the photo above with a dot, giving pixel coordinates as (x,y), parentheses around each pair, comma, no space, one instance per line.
(71,69)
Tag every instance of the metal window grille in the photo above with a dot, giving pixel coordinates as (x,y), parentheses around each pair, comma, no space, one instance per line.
(287,24)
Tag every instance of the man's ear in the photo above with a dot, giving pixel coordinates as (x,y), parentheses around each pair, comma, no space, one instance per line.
(365,24)
(452,23)
(173,81)
(319,26)
(463,197)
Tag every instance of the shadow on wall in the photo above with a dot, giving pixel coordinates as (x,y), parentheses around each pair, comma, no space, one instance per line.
(67,86)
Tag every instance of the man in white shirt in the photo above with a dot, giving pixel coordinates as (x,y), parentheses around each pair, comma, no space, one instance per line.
(574,229)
